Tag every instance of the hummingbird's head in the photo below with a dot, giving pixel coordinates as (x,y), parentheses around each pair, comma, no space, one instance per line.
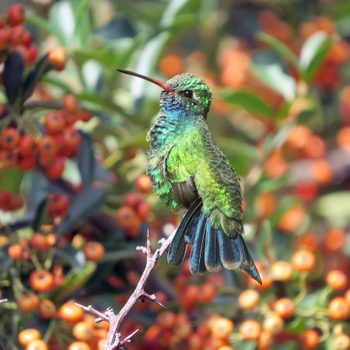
(184,94)
(188,94)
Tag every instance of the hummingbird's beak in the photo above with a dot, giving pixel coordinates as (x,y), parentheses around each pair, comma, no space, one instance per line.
(163,85)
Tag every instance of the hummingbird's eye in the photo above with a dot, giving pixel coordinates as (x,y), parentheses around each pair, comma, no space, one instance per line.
(187,93)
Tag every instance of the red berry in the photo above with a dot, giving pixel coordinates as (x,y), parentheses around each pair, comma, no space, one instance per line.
(54,122)
(47,147)
(27,145)
(16,14)
(10,138)
(55,170)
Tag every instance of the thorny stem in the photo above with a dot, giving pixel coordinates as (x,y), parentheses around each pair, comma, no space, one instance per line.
(114,341)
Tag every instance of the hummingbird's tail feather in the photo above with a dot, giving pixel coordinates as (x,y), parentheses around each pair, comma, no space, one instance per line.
(197,264)
(212,254)
(230,251)
(184,234)
(248,264)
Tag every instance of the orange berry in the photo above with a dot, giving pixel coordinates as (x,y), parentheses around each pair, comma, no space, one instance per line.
(321,171)
(39,241)
(308,240)
(207,293)
(265,341)
(28,335)
(265,204)
(83,331)
(15,14)
(221,327)
(94,251)
(341,342)
(37,344)
(41,281)
(284,307)
(292,219)
(335,239)
(143,184)
(225,347)
(339,309)
(281,271)
(78,345)
(71,139)
(303,260)
(337,280)
(166,319)
(248,299)
(170,65)
(46,309)
(347,295)
(17,251)
(189,297)
(10,138)
(343,138)
(70,104)
(143,210)
(315,147)
(58,58)
(273,323)
(310,339)
(71,312)
(132,199)
(28,302)
(250,330)
(126,217)
(298,137)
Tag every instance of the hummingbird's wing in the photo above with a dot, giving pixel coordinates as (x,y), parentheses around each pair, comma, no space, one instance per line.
(201,173)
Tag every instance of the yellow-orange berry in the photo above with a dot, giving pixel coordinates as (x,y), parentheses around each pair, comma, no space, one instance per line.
(46,309)
(94,251)
(28,302)
(284,307)
(250,330)
(265,340)
(341,342)
(41,281)
(248,299)
(337,280)
(281,271)
(28,335)
(303,260)
(83,331)
(221,327)
(273,323)
(310,339)
(71,312)
(339,309)
(37,344)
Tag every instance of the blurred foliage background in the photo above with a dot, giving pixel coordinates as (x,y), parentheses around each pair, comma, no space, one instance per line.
(75,201)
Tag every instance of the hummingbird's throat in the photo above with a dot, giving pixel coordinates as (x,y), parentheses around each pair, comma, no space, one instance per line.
(160,83)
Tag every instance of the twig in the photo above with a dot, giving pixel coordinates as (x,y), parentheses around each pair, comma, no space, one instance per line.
(114,340)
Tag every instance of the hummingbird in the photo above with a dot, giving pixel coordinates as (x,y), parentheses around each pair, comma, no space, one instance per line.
(188,170)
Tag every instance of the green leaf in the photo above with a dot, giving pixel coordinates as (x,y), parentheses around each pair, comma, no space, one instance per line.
(74,280)
(82,26)
(44,25)
(270,70)
(335,208)
(298,325)
(11,180)
(313,54)
(249,101)
(279,47)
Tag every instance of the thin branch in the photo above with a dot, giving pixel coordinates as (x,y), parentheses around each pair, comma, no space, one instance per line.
(114,340)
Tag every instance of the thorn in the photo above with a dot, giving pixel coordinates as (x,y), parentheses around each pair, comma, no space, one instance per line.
(128,338)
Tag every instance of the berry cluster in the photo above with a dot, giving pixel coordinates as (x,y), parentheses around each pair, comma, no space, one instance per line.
(13,36)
